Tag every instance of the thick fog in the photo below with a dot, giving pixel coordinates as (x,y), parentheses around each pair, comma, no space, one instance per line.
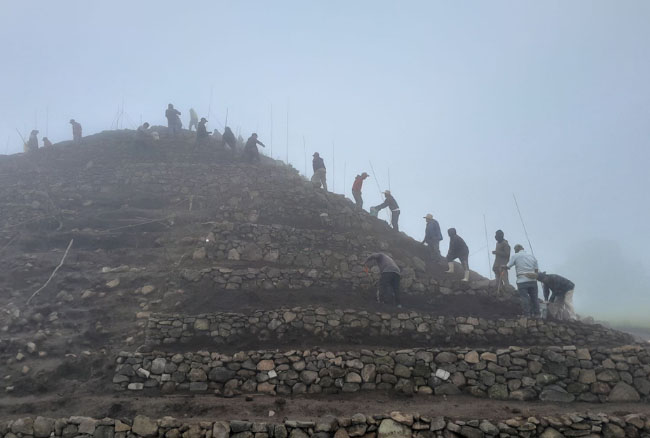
(458,105)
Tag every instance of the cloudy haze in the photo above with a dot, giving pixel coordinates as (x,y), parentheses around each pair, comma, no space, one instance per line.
(462,103)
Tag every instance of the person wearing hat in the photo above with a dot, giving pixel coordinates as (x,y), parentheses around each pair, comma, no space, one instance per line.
(501,258)
(32,142)
(432,236)
(320,173)
(202,132)
(526,266)
(174,123)
(457,250)
(251,153)
(194,120)
(560,304)
(356,189)
(76,130)
(391,203)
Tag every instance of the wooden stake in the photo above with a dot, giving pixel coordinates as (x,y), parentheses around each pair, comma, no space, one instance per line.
(53,272)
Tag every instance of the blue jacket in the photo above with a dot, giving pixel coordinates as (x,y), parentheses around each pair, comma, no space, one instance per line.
(432,233)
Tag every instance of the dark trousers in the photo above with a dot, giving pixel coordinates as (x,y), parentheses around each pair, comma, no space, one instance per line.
(357,198)
(394,219)
(389,285)
(434,249)
(528,293)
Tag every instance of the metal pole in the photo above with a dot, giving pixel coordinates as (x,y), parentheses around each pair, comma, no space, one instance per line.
(374,176)
(287,131)
(389,178)
(487,246)
(271,131)
(523,225)
(210,104)
(333,179)
(304,150)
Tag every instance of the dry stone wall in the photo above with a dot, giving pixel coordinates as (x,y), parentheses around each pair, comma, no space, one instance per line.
(304,257)
(407,328)
(556,374)
(393,425)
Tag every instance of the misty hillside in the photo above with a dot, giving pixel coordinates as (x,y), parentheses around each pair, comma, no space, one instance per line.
(185,229)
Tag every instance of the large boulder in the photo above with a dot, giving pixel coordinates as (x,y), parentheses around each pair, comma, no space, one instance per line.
(623,392)
(220,374)
(392,429)
(557,394)
(144,426)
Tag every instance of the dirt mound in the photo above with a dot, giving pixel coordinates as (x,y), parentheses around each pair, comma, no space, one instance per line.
(177,228)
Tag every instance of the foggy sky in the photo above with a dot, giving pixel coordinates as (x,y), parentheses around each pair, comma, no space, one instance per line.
(463,103)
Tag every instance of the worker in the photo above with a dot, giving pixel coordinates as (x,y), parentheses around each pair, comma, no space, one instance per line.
(142,136)
(194,119)
(457,250)
(46,142)
(432,236)
(320,173)
(560,303)
(251,153)
(32,142)
(76,130)
(202,132)
(390,276)
(356,189)
(501,258)
(217,137)
(174,123)
(229,138)
(391,203)
(526,267)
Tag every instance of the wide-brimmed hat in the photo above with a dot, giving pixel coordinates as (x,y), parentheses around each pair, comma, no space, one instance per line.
(386,192)
(429,216)
(365,175)
(316,154)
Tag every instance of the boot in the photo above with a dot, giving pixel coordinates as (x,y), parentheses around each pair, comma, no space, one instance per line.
(451,268)
(466,277)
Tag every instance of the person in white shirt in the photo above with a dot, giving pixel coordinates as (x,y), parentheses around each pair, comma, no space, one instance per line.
(526,266)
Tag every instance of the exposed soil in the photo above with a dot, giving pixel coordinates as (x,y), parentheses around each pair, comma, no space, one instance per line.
(79,322)
(210,408)
(246,301)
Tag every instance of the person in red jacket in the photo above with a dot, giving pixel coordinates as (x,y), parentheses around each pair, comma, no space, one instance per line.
(356,189)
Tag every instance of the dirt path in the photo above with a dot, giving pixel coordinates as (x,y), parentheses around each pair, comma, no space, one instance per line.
(305,407)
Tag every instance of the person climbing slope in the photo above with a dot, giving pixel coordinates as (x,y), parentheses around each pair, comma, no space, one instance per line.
(457,250)
(320,173)
(392,205)
(356,189)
